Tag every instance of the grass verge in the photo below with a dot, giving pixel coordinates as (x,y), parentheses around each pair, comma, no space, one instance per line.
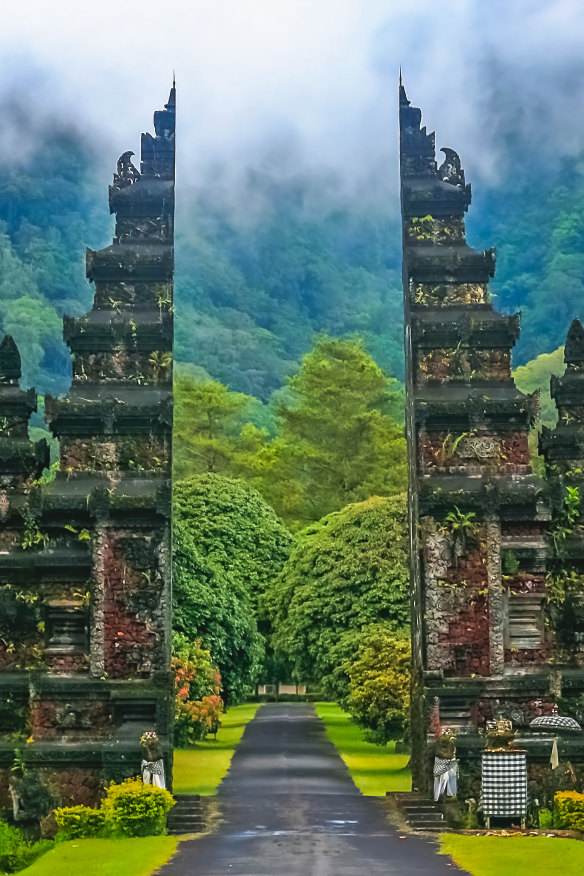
(374,769)
(515,855)
(139,856)
(199,770)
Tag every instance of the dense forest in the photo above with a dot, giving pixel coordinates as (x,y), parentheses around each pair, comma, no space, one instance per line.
(282,257)
(289,445)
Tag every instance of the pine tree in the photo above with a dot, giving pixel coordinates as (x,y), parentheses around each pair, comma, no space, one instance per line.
(340,437)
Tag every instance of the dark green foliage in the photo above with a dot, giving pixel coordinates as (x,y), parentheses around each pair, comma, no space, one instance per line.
(278,258)
(253,293)
(15,852)
(347,572)
(209,606)
(13,713)
(35,798)
(229,545)
(536,221)
(50,208)
(234,529)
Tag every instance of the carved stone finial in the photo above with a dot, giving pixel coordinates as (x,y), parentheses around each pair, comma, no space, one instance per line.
(10,368)
(403,98)
(126,172)
(574,349)
(450,170)
(171,103)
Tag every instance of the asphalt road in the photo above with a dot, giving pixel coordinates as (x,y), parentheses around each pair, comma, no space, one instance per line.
(290,808)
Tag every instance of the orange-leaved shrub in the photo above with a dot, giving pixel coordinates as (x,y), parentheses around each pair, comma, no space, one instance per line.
(197,687)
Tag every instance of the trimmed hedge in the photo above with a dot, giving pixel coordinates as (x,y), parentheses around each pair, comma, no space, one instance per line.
(130,809)
(80,822)
(134,809)
(569,810)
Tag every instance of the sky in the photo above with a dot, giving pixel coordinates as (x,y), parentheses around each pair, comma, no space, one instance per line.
(303,82)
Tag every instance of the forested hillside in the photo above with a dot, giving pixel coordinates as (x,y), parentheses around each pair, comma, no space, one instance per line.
(264,265)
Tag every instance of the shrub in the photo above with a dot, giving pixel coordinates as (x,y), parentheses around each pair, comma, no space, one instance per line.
(197,685)
(569,810)
(35,798)
(134,809)
(193,720)
(379,684)
(545,819)
(79,822)
(15,852)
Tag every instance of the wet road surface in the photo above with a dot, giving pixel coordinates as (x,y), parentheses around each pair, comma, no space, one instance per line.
(290,808)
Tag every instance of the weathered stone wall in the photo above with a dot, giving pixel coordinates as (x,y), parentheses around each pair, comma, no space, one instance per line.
(484,637)
(85,566)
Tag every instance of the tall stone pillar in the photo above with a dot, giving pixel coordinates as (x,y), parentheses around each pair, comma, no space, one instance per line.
(478,514)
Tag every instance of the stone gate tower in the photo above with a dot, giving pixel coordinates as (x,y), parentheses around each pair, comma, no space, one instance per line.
(86,562)
(486,642)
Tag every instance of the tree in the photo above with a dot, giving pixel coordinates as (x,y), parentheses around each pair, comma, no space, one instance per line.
(346,572)
(379,684)
(340,435)
(235,530)
(229,546)
(216,430)
(207,422)
(536,375)
(207,605)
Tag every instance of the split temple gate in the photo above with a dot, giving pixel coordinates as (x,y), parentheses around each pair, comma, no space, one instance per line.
(85,560)
(497,553)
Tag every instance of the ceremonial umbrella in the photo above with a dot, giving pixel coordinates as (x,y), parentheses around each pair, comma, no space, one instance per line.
(554,722)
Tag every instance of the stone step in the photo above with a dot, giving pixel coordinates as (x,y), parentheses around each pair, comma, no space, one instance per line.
(424,816)
(187,815)
(186,825)
(184,819)
(195,809)
(432,827)
(421,813)
(422,807)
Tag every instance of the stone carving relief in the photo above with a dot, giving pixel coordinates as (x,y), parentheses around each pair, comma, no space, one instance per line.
(450,170)
(126,174)
(478,447)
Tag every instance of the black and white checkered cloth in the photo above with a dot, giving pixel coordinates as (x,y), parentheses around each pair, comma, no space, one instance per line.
(504,783)
(155,767)
(554,722)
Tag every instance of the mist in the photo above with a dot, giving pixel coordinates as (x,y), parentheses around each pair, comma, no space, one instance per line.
(296,86)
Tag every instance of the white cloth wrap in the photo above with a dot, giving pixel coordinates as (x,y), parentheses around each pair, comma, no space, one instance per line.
(153,773)
(445,776)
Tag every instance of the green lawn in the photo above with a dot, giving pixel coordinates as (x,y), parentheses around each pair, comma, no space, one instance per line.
(102,857)
(199,770)
(514,856)
(374,769)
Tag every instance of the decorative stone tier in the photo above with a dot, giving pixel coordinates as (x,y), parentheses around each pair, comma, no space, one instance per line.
(478,515)
(130,330)
(85,557)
